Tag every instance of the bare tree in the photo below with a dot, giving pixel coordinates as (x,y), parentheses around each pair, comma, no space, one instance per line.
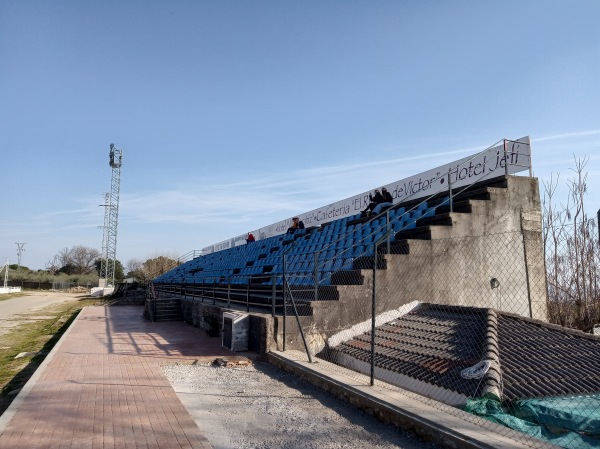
(134,265)
(572,256)
(77,260)
(84,258)
(53,265)
(64,257)
(159,265)
(151,268)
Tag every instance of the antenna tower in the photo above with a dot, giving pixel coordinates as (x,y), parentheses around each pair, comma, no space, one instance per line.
(111,216)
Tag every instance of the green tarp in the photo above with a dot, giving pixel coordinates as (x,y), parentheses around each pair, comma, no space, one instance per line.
(570,422)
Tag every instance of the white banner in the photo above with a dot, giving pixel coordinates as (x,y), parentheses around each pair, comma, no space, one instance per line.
(511,156)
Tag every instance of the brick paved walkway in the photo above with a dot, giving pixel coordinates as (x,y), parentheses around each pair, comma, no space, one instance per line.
(102,386)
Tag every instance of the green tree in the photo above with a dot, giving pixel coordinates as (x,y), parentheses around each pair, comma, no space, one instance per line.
(119,271)
(14,266)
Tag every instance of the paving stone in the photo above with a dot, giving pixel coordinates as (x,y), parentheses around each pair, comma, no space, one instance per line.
(103,386)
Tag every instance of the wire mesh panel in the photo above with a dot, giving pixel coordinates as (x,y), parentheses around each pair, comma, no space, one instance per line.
(487,324)
(461,301)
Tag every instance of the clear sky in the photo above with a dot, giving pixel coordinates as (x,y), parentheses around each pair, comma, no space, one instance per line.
(233,115)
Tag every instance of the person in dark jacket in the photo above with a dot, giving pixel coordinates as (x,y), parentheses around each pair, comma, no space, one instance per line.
(377,202)
(374,200)
(296,224)
(387,201)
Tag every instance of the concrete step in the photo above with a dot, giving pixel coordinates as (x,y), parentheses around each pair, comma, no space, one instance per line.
(419,233)
(347,277)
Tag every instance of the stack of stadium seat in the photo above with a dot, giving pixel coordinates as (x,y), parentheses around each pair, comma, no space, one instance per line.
(307,259)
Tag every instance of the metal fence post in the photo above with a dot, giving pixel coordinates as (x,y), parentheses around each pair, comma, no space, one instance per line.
(273,294)
(316,275)
(388,226)
(505,158)
(284,299)
(373,314)
(155,297)
(374,304)
(228,292)
(248,296)
(450,190)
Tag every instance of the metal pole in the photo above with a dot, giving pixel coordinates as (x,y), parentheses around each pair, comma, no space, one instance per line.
(155,297)
(374,306)
(316,277)
(450,190)
(228,292)
(530,162)
(373,314)
(273,293)
(300,327)
(505,159)
(387,220)
(248,296)
(284,299)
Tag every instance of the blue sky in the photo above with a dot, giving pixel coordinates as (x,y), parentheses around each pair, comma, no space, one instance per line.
(233,115)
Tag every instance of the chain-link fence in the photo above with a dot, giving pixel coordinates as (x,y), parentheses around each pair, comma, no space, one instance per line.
(55,285)
(482,324)
(461,300)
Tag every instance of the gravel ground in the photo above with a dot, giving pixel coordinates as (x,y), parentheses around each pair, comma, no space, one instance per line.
(261,407)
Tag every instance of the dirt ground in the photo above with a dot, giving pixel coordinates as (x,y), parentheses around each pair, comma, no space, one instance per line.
(17,310)
(261,407)
(23,314)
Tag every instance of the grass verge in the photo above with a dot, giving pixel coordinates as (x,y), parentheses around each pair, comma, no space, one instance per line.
(4,296)
(37,336)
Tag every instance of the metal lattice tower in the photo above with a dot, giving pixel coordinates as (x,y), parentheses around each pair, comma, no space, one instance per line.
(111,216)
(104,228)
(20,250)
(5,267)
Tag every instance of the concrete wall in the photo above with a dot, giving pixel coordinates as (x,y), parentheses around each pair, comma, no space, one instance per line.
(501,239)
(210,319)
(139,300)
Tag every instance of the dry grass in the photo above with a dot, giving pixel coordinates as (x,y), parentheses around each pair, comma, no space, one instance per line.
(5,296)
(37,336)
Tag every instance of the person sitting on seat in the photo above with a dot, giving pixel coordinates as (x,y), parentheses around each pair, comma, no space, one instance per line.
(296,224)
(250,238)
(374,200)
(388,201)
(377,202)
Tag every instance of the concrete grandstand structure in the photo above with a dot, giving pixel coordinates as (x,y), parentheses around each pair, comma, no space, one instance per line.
(487,227)
(425,297)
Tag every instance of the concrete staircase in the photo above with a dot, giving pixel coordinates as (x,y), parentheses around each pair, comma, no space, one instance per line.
(166,309)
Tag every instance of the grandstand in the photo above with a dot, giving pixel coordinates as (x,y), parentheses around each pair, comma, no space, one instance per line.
(443,295)
(325,272)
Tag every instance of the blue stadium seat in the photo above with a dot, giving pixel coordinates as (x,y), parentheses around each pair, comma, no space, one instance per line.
(429,212)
